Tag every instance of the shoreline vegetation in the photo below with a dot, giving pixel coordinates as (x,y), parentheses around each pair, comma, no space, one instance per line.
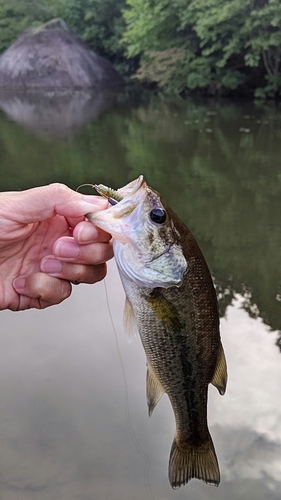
(178,47)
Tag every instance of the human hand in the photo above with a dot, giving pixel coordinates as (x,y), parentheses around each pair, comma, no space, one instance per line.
(45,242)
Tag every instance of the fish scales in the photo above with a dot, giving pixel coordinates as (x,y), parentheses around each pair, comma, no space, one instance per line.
(171,298)
(176,355)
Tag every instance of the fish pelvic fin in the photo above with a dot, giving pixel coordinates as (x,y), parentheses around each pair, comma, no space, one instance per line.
(187,462)
(154,389)
(219,379)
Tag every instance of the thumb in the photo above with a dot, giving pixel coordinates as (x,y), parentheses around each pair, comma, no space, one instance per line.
(44,202)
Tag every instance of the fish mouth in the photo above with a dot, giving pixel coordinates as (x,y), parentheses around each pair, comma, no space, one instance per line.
(130,198)
(164,266)
(119,194)
(132,187)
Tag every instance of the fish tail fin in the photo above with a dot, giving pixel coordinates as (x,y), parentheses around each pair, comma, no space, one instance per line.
(190,461)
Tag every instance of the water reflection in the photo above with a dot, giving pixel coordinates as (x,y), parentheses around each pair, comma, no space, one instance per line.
(63,428)
(222,181)
(64,431)
(55,114)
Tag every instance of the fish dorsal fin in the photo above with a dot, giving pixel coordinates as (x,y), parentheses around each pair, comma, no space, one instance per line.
(129,320)
(154,389)
(219,379)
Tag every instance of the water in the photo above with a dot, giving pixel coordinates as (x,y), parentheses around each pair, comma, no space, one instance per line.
(64,429)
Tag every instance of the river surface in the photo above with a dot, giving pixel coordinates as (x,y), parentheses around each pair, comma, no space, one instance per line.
(71,425)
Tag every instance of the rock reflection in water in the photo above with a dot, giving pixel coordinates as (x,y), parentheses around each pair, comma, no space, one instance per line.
(55,114)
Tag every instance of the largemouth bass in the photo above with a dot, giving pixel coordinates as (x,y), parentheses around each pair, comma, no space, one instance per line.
(170,299)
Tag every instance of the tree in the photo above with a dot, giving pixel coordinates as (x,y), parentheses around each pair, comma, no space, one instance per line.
(98,22)
(227,44)
(241,34)
(19,15)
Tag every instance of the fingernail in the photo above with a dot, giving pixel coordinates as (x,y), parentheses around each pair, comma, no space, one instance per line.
(99,201)
(93,204)
(67,249)
(19,283)
(51,266)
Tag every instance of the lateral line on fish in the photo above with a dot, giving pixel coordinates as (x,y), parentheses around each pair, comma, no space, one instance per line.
(127,407)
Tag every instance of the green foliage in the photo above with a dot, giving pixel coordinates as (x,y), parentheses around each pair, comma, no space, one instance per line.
(215,46)
(214,175)
(230,43)
(163,67)
(18,15)
(149,25)
(98,22)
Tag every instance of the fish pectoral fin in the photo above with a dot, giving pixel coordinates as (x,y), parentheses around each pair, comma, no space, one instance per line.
(154,389)
(129,321)
(165,311)
(219,379)
(190,461)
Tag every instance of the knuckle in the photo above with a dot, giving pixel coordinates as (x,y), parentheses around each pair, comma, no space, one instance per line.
(89,273)
(80,271)
(101,252)
(58,188)
(50,289)
(65,289)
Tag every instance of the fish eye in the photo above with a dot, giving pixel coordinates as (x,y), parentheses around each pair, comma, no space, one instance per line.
(158,215)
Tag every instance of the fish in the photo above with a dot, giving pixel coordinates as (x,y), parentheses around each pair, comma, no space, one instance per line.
(171,301)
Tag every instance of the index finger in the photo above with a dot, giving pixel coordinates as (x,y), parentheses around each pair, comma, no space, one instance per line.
(44,202)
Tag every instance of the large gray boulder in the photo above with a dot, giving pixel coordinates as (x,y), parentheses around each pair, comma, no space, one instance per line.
(54,57)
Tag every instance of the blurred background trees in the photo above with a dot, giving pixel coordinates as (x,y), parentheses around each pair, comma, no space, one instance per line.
(218,47)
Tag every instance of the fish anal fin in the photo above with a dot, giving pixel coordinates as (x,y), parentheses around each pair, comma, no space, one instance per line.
(154,389)
(129,321)
(219,379)
(187,462)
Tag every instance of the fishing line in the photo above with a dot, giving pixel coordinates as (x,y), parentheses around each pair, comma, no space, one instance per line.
(83,185)
(112,201)
(127,408)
